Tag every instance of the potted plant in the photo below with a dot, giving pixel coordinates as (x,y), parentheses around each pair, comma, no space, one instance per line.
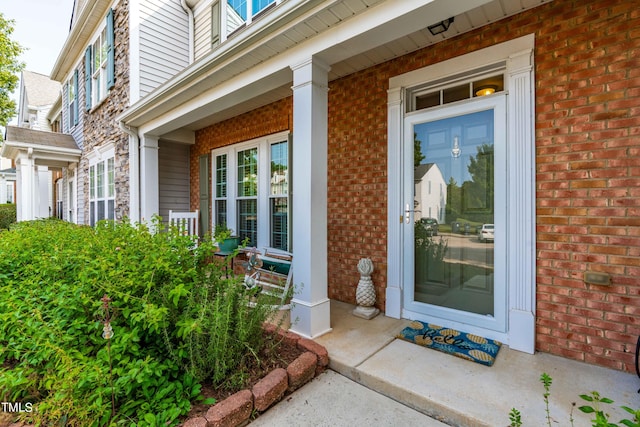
(225,239)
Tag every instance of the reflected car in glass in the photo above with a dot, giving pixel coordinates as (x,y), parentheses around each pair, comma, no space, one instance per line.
(486,233)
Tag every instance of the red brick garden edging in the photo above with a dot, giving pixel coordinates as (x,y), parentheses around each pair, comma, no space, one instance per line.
(237,409)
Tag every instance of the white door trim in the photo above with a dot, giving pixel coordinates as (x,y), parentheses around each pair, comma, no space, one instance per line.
(467,321)
(517,54)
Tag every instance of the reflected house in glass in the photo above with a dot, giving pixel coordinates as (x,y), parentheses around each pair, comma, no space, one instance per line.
(430,192)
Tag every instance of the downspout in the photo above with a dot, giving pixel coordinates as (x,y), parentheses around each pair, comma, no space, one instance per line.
(191,28)
(134,172)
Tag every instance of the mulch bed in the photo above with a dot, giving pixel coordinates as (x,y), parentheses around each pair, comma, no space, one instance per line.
(277,353)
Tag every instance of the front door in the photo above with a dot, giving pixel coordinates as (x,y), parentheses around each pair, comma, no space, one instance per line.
(454,203)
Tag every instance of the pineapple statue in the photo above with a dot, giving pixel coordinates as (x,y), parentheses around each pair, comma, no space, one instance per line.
(365,292)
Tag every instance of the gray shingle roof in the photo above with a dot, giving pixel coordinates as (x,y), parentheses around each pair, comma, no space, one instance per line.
(41,138)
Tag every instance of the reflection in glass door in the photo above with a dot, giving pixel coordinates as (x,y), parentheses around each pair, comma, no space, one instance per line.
(453,212)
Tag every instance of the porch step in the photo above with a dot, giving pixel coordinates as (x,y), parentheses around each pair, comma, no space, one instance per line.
(462,393)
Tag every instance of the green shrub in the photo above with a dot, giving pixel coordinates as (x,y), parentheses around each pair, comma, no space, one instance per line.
(7,215)
(167,306)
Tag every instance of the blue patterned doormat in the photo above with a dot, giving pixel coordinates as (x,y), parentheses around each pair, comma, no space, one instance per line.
(460,344)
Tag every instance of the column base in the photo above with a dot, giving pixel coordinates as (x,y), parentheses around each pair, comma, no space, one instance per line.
(310,320)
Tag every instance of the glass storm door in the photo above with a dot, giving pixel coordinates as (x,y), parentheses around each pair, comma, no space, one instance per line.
(454,214)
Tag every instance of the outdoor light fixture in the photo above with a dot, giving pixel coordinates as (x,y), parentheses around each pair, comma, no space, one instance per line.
(485,90)
(440,27)
(456,151)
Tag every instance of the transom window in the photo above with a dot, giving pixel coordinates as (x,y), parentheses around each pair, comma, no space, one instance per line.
(251,187)
(456,89)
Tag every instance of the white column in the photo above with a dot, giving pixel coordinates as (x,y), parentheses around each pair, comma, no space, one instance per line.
(25,191)
(310,311)
(149,177)
(3,189)
(521,196)
(41,208)
(393,306)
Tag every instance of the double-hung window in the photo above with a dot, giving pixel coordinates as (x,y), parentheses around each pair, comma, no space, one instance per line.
(102,189)
(99,64)
(72,101)
(251,191)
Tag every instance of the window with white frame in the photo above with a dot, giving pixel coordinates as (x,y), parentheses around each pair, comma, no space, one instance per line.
(59,199)
(99,64)
(99,67)
(102,189)
(71,191)
(238,13)
(10,188)
(251,191)
(72,102)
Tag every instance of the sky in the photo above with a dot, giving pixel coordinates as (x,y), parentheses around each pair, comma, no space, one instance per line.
(41,26)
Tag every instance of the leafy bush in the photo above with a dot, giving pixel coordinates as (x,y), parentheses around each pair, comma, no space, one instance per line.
(7,215)
(594,399)
(176,321)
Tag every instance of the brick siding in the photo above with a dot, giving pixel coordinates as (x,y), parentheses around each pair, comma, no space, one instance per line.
(587,65)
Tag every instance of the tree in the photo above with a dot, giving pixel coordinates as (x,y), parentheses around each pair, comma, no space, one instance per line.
(479,191)
(10,68)
(418,157)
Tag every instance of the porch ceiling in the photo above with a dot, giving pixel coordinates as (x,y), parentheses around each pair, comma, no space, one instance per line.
(350,35)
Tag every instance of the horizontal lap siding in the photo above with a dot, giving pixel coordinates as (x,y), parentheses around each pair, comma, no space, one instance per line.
(174,178)
(202,33)
(164,42)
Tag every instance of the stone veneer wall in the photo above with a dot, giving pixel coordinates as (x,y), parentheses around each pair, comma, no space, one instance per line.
(100,126)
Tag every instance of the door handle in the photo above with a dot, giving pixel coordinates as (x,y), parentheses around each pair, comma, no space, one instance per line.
(407,211)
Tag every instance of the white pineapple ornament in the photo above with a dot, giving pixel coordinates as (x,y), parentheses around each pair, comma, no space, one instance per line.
(365,292)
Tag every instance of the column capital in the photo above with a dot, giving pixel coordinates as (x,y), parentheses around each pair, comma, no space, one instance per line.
(311,61)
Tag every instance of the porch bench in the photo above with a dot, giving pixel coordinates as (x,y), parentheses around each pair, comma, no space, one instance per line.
(270,271)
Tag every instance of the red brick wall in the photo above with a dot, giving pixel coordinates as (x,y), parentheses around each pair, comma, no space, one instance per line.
(588,170)
(588,180)
(272,118)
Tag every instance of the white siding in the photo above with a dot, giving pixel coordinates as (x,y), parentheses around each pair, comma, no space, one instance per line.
(41,117)
(173,165)
(77,133)
(202,33)
(164,42)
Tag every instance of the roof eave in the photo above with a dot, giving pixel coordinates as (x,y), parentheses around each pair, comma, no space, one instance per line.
(78,38)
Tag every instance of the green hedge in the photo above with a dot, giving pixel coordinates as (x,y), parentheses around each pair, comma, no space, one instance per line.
(7,215)
(177,320)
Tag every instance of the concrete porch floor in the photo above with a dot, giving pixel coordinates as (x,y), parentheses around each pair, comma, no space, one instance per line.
(462,393)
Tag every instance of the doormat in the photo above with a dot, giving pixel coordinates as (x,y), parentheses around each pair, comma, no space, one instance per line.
(461,344)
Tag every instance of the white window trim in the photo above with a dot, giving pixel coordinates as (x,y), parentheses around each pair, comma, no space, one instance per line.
(224,6)
(520,263)
(98,155)
(71,197)
(263,144)
(99,89)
